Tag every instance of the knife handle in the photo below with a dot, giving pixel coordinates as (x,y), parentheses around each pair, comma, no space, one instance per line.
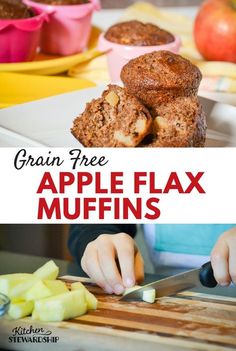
(206,276)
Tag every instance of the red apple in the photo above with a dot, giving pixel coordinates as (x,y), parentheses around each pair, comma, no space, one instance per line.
(215,30)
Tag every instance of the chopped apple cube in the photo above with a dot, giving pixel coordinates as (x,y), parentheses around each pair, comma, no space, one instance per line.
(9,281)
(129,290)
(35,315)
(20,309)
(149,296)
(77,286)
(37,291)
(48,271)
(13,276)
(46,288)
(89,297)
(60,307)
(19,290)
(17,299)
(56,286)
(91,300)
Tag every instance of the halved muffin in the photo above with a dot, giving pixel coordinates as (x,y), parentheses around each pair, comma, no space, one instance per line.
(117,119)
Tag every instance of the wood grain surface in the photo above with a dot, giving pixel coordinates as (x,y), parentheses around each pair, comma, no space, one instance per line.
(187,321)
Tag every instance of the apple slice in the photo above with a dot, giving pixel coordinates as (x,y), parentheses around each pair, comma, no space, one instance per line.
(9,281)
(129,290)
(148,295)
(20,309)
(89,297)
(37,291)
(78,286)
(48,271)
(56,286)
(46,288)
(19,289)
(61,307)
(91,300)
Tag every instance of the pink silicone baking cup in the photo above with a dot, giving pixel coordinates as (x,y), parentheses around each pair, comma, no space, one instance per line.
(68,29)
(19,38)
(118,55)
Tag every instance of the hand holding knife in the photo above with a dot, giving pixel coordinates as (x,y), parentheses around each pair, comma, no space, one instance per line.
(203,276)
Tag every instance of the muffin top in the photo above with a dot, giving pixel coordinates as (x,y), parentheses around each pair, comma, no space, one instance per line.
(62,2)
(135,33)
(161,70)
(14,9)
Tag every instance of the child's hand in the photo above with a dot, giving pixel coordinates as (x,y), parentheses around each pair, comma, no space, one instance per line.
(223,258)
(100,262)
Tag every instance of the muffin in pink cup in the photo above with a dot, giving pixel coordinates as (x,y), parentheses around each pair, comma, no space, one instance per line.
(68,29)
(19,31)
(128,40)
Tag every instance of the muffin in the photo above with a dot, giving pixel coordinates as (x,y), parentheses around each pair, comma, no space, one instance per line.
(160,77)
(14,9)
(180,123)
(62,2)
(168,84)
(136,33)
(117,119)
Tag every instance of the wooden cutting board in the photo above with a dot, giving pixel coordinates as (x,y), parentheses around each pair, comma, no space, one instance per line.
(188,321)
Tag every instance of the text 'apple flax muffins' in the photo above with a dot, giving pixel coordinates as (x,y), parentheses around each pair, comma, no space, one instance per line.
(168,85)
(136,33)
(117,119)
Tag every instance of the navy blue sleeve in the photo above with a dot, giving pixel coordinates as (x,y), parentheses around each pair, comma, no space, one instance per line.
(81,235)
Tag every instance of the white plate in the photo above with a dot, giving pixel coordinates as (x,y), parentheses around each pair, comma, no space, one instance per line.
(47,122)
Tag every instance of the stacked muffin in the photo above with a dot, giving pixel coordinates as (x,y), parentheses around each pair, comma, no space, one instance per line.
(168,85)
(136,33)
(14,9)
(62,2)
(116,119)
(158,107)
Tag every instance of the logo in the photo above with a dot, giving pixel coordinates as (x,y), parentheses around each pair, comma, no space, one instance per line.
(32,335)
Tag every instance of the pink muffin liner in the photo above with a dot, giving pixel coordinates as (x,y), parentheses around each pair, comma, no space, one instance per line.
(119,55)
(68,29)
(19,38)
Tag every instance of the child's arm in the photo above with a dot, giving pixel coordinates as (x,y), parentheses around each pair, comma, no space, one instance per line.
(101,247)
(223,258)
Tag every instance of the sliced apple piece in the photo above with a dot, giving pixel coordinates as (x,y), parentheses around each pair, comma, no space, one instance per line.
(89,297)
(129,290)
(20,309)
(37,291)
(77,286)
(9,281)
(91,300)
(35,315)
(149,295)
(19,290)
(61,307)
(48,271)
(56,286)
(46,288)
(13,276)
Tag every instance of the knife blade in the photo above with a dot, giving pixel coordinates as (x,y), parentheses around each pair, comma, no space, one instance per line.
(177,283)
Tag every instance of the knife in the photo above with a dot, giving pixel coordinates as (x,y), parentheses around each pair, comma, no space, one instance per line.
(177,283)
